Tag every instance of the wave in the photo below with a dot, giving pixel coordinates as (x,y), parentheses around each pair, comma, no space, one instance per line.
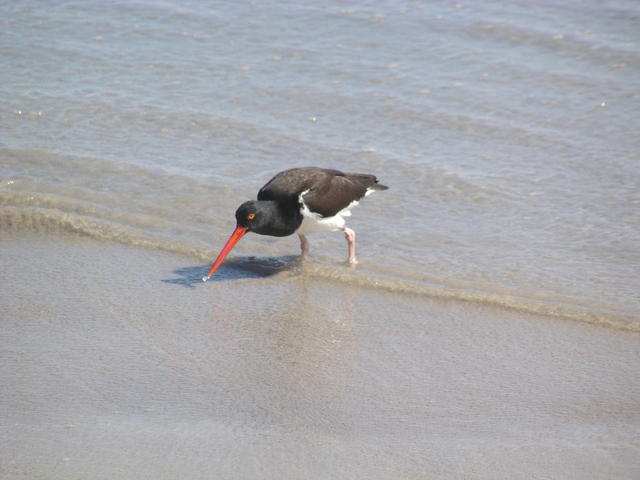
(37,219)
(47,220)
(568,309)
(600,50)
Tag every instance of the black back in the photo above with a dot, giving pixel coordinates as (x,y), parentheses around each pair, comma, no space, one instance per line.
(329,191)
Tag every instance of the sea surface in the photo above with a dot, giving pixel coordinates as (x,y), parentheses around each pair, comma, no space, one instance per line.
(506,131)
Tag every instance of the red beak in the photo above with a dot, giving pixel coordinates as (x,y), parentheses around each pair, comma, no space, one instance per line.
(237,234)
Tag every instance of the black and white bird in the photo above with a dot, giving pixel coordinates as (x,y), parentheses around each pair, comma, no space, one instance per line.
(302,200)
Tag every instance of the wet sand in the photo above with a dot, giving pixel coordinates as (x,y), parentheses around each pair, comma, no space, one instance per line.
(117,362)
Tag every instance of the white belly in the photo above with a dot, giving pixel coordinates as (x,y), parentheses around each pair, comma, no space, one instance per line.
(314,222)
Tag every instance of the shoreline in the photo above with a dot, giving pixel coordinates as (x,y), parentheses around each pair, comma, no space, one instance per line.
(59,222)
(110,349)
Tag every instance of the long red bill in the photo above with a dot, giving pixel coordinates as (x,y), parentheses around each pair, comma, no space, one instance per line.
(237,234)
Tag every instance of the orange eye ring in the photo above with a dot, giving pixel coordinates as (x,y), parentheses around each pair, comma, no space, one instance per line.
(251,216)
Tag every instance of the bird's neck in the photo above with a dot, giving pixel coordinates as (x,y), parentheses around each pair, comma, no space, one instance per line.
(281,219)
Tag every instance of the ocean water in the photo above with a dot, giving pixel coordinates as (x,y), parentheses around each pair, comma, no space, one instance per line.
(506,131)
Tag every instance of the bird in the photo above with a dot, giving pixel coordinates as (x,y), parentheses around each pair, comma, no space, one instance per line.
(302,200)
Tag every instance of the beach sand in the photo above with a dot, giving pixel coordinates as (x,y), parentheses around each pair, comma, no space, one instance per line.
(117,362)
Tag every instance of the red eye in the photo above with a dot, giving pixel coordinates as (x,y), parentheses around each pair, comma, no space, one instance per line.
(251,216)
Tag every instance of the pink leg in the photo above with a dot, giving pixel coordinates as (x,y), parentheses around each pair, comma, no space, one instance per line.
(350,235)
(304,246)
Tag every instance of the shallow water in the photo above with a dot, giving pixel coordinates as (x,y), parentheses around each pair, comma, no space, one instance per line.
(118,362)
(504,131)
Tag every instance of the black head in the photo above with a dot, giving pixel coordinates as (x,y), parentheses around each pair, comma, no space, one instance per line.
(266,217)
(249,215)
(257,216)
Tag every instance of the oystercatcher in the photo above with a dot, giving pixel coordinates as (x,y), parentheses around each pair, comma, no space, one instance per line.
(301,201)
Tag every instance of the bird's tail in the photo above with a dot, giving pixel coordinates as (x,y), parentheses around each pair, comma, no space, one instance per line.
(366,180)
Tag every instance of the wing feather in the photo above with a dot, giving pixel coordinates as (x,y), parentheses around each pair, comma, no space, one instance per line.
(327,191)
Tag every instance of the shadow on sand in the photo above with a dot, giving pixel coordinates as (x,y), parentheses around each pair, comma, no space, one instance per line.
(234,269)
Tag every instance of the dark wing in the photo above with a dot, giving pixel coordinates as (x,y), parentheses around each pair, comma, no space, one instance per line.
(337,193)
(328,198)
(328,191)
(289,184)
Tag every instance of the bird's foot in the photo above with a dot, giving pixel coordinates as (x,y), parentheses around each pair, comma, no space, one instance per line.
(352,262)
